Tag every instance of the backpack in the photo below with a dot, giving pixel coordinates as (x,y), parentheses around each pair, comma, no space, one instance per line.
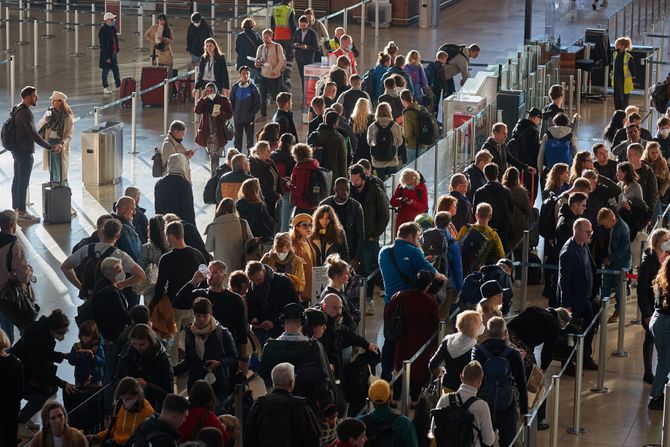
(473,248)
(498,386)
(368,83)
(471,295)
(435,244)
(209,193)
(381,433)
(384,149)
(547,222)
(429,130)
(141,439)
(8,133)
(557,150)
(88,272)
(452,50)
(658,97)
(454,424)
(319,185)
(514,147)
(534,273)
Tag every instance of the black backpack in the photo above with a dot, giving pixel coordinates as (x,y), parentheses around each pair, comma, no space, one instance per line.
(381,433)
(498,386)
(435,244)
(473,247)
(452,50)
(8,134)
(368,83)
(141,439)
(455,424)
(429,130)
(547,222)
(88,272)
(319,185)
(384,149)
(209,193)
(658,97)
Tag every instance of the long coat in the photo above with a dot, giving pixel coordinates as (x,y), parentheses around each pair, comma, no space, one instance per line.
(205,106)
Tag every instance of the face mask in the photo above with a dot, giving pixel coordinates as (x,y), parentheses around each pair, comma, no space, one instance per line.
(480,331)
(212,96)
(664,133)
(129,403)
(409,187)
(282,256)
(120,277)
(196,24)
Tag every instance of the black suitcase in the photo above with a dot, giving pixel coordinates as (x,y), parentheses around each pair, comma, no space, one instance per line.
(56,202)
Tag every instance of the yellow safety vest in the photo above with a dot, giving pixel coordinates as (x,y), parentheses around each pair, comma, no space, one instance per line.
(627,77)
(333,44)
(281,14)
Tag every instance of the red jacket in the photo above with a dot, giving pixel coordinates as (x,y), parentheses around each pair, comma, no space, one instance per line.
(407,213)
(300,179)
(198,418)
(205,107)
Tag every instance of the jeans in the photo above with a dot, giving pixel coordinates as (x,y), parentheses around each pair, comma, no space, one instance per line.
(583,314)
(413,153)
(658,210)
(8,327)
(647,348)
(23,167)
(612,283)
(36,400)
(240,130)
(369,264)
(384,173)
(115,72)
(285,211)
(55,163)
(268,86)
(388,356)
(660,327)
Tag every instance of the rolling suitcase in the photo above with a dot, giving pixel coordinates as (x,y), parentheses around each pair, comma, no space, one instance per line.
(152,76)
(128,86)
(56,202)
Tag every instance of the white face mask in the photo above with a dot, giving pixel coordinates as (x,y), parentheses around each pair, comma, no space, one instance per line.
(196,24)
(480,331)
(212,96)
(664,132)
(120,276)
(282,256)
(129,403)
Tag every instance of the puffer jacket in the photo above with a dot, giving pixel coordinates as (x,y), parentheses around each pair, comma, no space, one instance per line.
(127,422)
(396,130)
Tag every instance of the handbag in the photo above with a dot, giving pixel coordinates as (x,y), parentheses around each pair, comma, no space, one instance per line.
(157,165)
(17,301)
(162,317)
(149,282)
(229,130)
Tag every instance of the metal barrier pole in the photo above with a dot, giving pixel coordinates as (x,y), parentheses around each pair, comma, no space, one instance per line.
(665,432)
(639,16)
(621,298)
(602,347)
(528,430)
(48,34)
(140,35)
(571,92)
(229,41)
(556,402)
(363,25)
(96,116)
(165,7)
(12,79)
(524,270)
(166,100)
(393,216)
(345,19)
(133,124)
(7,48)
(442,330)
(577,414)
(239,410)
(235,13)
(578,96)
(632,17)
(268,13)
(35,46)
(93,45)
(404,396)
(362,292)
(67,26)
(616,24)
(646,14)
(376,20)
(212,15)
(76,35)
(435,162)
(195,7)
(153,19)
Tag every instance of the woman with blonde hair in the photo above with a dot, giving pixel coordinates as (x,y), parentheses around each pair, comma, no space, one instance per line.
(57,128)
(328,236)
(251,207)
(652,155)
(558,180)
(410,197)
(361,119)
(300,241)
(283,259)
(384,155)
(338,272)
(392,50)
(659,325)
(623,72)
(227,234)
(417,75)
(54,427)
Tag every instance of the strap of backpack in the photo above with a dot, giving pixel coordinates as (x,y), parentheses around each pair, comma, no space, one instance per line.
(395,265)
(10,257)
(112,422)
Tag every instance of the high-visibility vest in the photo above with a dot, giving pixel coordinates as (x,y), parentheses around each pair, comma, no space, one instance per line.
(281,15)
(627,76)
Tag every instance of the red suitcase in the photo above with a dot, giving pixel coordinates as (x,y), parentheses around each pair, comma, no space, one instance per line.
(150,77)
(128,86)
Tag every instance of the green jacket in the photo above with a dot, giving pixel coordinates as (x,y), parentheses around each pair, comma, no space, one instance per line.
(410,127)
(375,209)
(395,70)
(402,425)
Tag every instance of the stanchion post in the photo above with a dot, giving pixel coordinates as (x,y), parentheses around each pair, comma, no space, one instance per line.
(76,35)
(67,26)
(212,15)
(93,45)
(49,8)
(524,270)
(195,6)
(528,430)
(363,6)
(96,116)
(556,402)
(21,22)
(239,408)
(621,298)
(376,20)
(165,7)
(12,79)
(140,34)
(229,39)
(442,330)
(665,432)
(166,102)
(133,124)
(393,216)
(345,18)
(362,292)
(578,94)
(236,12)
(435,174)
(576,429)
(7,33)
(195,97)
(268,13)
(404,396)
(602,347)
(35,46)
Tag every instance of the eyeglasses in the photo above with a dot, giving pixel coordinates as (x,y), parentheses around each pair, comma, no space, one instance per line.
(306,225)
(589,232)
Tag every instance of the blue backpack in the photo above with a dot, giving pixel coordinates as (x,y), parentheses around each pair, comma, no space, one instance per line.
(498,386)
(557,150)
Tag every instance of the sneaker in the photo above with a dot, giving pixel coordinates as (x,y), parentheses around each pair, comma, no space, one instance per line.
(594,6)
(590,365)
(369,308)
(648,377)
(28,218)
(543,425)
(106,91)
(656,404)
(614,318)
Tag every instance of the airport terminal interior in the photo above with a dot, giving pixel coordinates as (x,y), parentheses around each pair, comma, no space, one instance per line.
(56,58)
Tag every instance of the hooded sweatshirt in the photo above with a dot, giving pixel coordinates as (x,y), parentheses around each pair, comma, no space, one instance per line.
(174,193)
(454,351)
(127,422)
(557,132)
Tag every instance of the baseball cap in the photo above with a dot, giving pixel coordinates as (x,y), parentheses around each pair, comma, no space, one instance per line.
(292,311)
(490,288)
(108,15)
(535,112)
(379,392)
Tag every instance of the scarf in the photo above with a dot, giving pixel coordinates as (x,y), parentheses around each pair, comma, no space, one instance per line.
(56,121)
(201,336)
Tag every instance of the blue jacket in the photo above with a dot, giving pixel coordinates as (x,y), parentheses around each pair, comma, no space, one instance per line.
(575,276)
(455,262)
(84,366)
(410,261)
(377,72)
(619,250)
(129,241)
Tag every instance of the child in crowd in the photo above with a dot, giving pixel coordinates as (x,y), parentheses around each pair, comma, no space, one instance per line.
(88,356)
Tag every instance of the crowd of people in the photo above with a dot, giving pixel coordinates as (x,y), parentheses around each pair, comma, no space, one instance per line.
(165,313)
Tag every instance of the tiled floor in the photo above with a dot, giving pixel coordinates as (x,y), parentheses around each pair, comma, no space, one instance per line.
(618,418)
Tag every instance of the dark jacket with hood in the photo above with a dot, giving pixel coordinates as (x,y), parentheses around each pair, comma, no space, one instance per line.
(258,217)
(173,193)
(464,213)
(196,36)
(333,150)
(566,219)
(246,102)
(153,366)
(649,184)
(110,309)
(536,326)
(500,199)
(527,136)
(502,156)
(246,44)
(109,44)
(354,224)
(157,432)
(336,337)
(455,352)
(375,206)
(266,301)
(285,120)
(476,177)
(268,176)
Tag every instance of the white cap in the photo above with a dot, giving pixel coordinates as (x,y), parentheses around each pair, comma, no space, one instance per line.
(59,95)
(665,246)
(108,15)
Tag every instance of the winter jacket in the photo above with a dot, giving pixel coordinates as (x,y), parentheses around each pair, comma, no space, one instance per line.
(405,434)
(464,213)
(225,237)
(127,422)
(305,56)
(260,220)
(64,140)
(494,250)
(220,70)
(268,176)
(455,351)
(522,212)
(246,102)
(163,434)
(396,130)
(324,249)
(265,302)
(419,80)
(502,156)
(378,73)
(662,177)
(300,182)
(564,224)
(337,337)
(619,253)
(646,274)
(129,240)
(274,57)
(230,184)
(647,180)
(246,44)
(410,126)
(153,366)
(285,120)
(196,36)
(174,193)
(219,345)
(26,135)
(87,369)
(333,150)
(72,437)
(285,163)
(197,419)
(527,137)
(21,270)
(392,70)
(109,45)
(354,228)
(500,199)
(476,178)
(375,206)
(173,146)
(205,107)
(557,132)
(410,260)
(407,212)
(455,261)
(293,266)
(164,56)
(575,276)
(11,388)
(110,309)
